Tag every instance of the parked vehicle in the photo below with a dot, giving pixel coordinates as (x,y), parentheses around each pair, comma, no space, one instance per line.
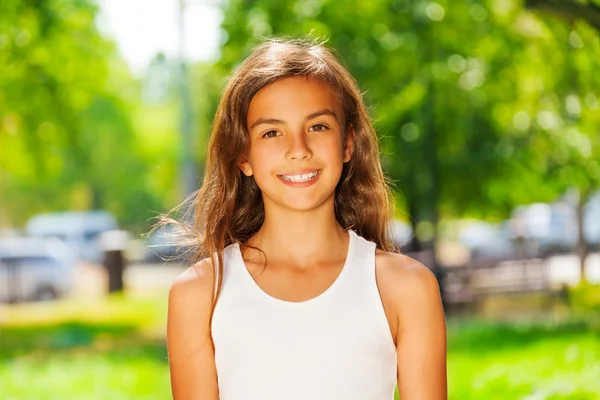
(161,247)
(591,221)
(35,269)
(78,229)
(553,227)
(487,241)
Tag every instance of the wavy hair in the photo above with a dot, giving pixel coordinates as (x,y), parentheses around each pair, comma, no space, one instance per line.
(228,208)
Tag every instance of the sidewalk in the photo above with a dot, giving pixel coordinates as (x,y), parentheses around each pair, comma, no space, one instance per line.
(91,279)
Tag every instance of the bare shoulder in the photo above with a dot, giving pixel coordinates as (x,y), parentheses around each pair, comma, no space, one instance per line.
(190,304)
(407,289)
(195,280)
(404,276)
(411,292)
(189,343)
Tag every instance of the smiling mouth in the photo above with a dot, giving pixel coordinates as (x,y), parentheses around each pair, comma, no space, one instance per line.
(301,177)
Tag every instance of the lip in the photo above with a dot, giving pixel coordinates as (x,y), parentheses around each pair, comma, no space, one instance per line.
(301,184)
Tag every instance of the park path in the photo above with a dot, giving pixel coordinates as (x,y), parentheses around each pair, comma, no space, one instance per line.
(90,279)
(155,279)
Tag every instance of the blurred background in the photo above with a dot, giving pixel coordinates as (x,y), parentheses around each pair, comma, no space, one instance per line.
(488,113)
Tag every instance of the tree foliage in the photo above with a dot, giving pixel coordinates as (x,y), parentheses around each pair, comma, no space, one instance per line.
(481,105)
(66,139)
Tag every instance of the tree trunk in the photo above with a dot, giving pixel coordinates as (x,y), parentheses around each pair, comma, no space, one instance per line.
(114,262)
(432,161)
(582,247)
(96,197)
(413,212)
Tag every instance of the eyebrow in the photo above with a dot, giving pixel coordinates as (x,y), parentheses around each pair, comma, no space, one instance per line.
(275,121)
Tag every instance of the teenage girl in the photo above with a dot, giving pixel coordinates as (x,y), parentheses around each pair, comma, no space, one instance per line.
(300,296)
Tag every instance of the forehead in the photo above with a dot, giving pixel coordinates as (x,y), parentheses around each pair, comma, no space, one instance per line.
(293,97)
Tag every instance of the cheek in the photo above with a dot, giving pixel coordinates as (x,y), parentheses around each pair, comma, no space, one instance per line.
(262,158)
(331,149)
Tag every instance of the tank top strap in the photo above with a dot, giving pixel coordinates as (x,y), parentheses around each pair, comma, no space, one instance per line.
(362,265)
(364,249)
(232,273)
(362,278)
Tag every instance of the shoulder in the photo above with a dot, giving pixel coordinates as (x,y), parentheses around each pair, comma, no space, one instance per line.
(191,292)
(189,342)
(405,285)
(419,327)
(405,274)
(195,280)
(189,310)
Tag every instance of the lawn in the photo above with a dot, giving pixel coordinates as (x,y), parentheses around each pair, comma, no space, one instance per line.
(114,349)
(550,361)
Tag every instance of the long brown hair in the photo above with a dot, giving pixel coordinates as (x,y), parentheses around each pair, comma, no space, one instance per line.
(228,208)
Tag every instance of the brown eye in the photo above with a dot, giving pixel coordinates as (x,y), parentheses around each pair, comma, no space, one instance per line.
(269,134)
(318,128)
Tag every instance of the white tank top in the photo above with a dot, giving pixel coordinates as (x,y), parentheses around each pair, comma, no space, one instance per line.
(337,345)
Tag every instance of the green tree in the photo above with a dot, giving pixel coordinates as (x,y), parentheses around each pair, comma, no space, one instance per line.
(575,128)
(457,90)
(66,139)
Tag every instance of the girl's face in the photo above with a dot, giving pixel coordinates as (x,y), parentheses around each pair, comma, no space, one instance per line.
(297,148)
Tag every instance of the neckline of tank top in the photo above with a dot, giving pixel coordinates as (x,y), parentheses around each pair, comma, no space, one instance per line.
(299,304)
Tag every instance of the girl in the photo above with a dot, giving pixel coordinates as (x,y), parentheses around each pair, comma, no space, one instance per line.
(300,296)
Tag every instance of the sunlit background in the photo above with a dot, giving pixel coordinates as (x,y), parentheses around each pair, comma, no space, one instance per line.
(488,113)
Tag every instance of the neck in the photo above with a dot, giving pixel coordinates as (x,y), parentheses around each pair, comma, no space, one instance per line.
(301,237)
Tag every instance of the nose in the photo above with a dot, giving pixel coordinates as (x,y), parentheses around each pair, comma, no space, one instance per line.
(299,147)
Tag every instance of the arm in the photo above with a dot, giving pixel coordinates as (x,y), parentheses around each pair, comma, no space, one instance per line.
(419,326)
(191,354)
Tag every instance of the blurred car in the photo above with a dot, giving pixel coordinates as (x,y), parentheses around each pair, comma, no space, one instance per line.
(553,227)
(35,269)
(79,230)
(486,241)
(591,221)
(161,247)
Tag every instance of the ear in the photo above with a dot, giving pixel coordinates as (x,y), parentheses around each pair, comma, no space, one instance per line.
(348,150)
(245,167)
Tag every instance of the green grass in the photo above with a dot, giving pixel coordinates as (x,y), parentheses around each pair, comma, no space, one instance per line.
(81,375)
(104,349)
(114,349)
(524,362)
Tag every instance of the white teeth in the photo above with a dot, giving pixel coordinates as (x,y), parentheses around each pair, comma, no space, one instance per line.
(300,178)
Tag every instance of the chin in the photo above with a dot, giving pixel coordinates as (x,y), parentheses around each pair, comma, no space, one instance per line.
(303,204)
(304,207)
